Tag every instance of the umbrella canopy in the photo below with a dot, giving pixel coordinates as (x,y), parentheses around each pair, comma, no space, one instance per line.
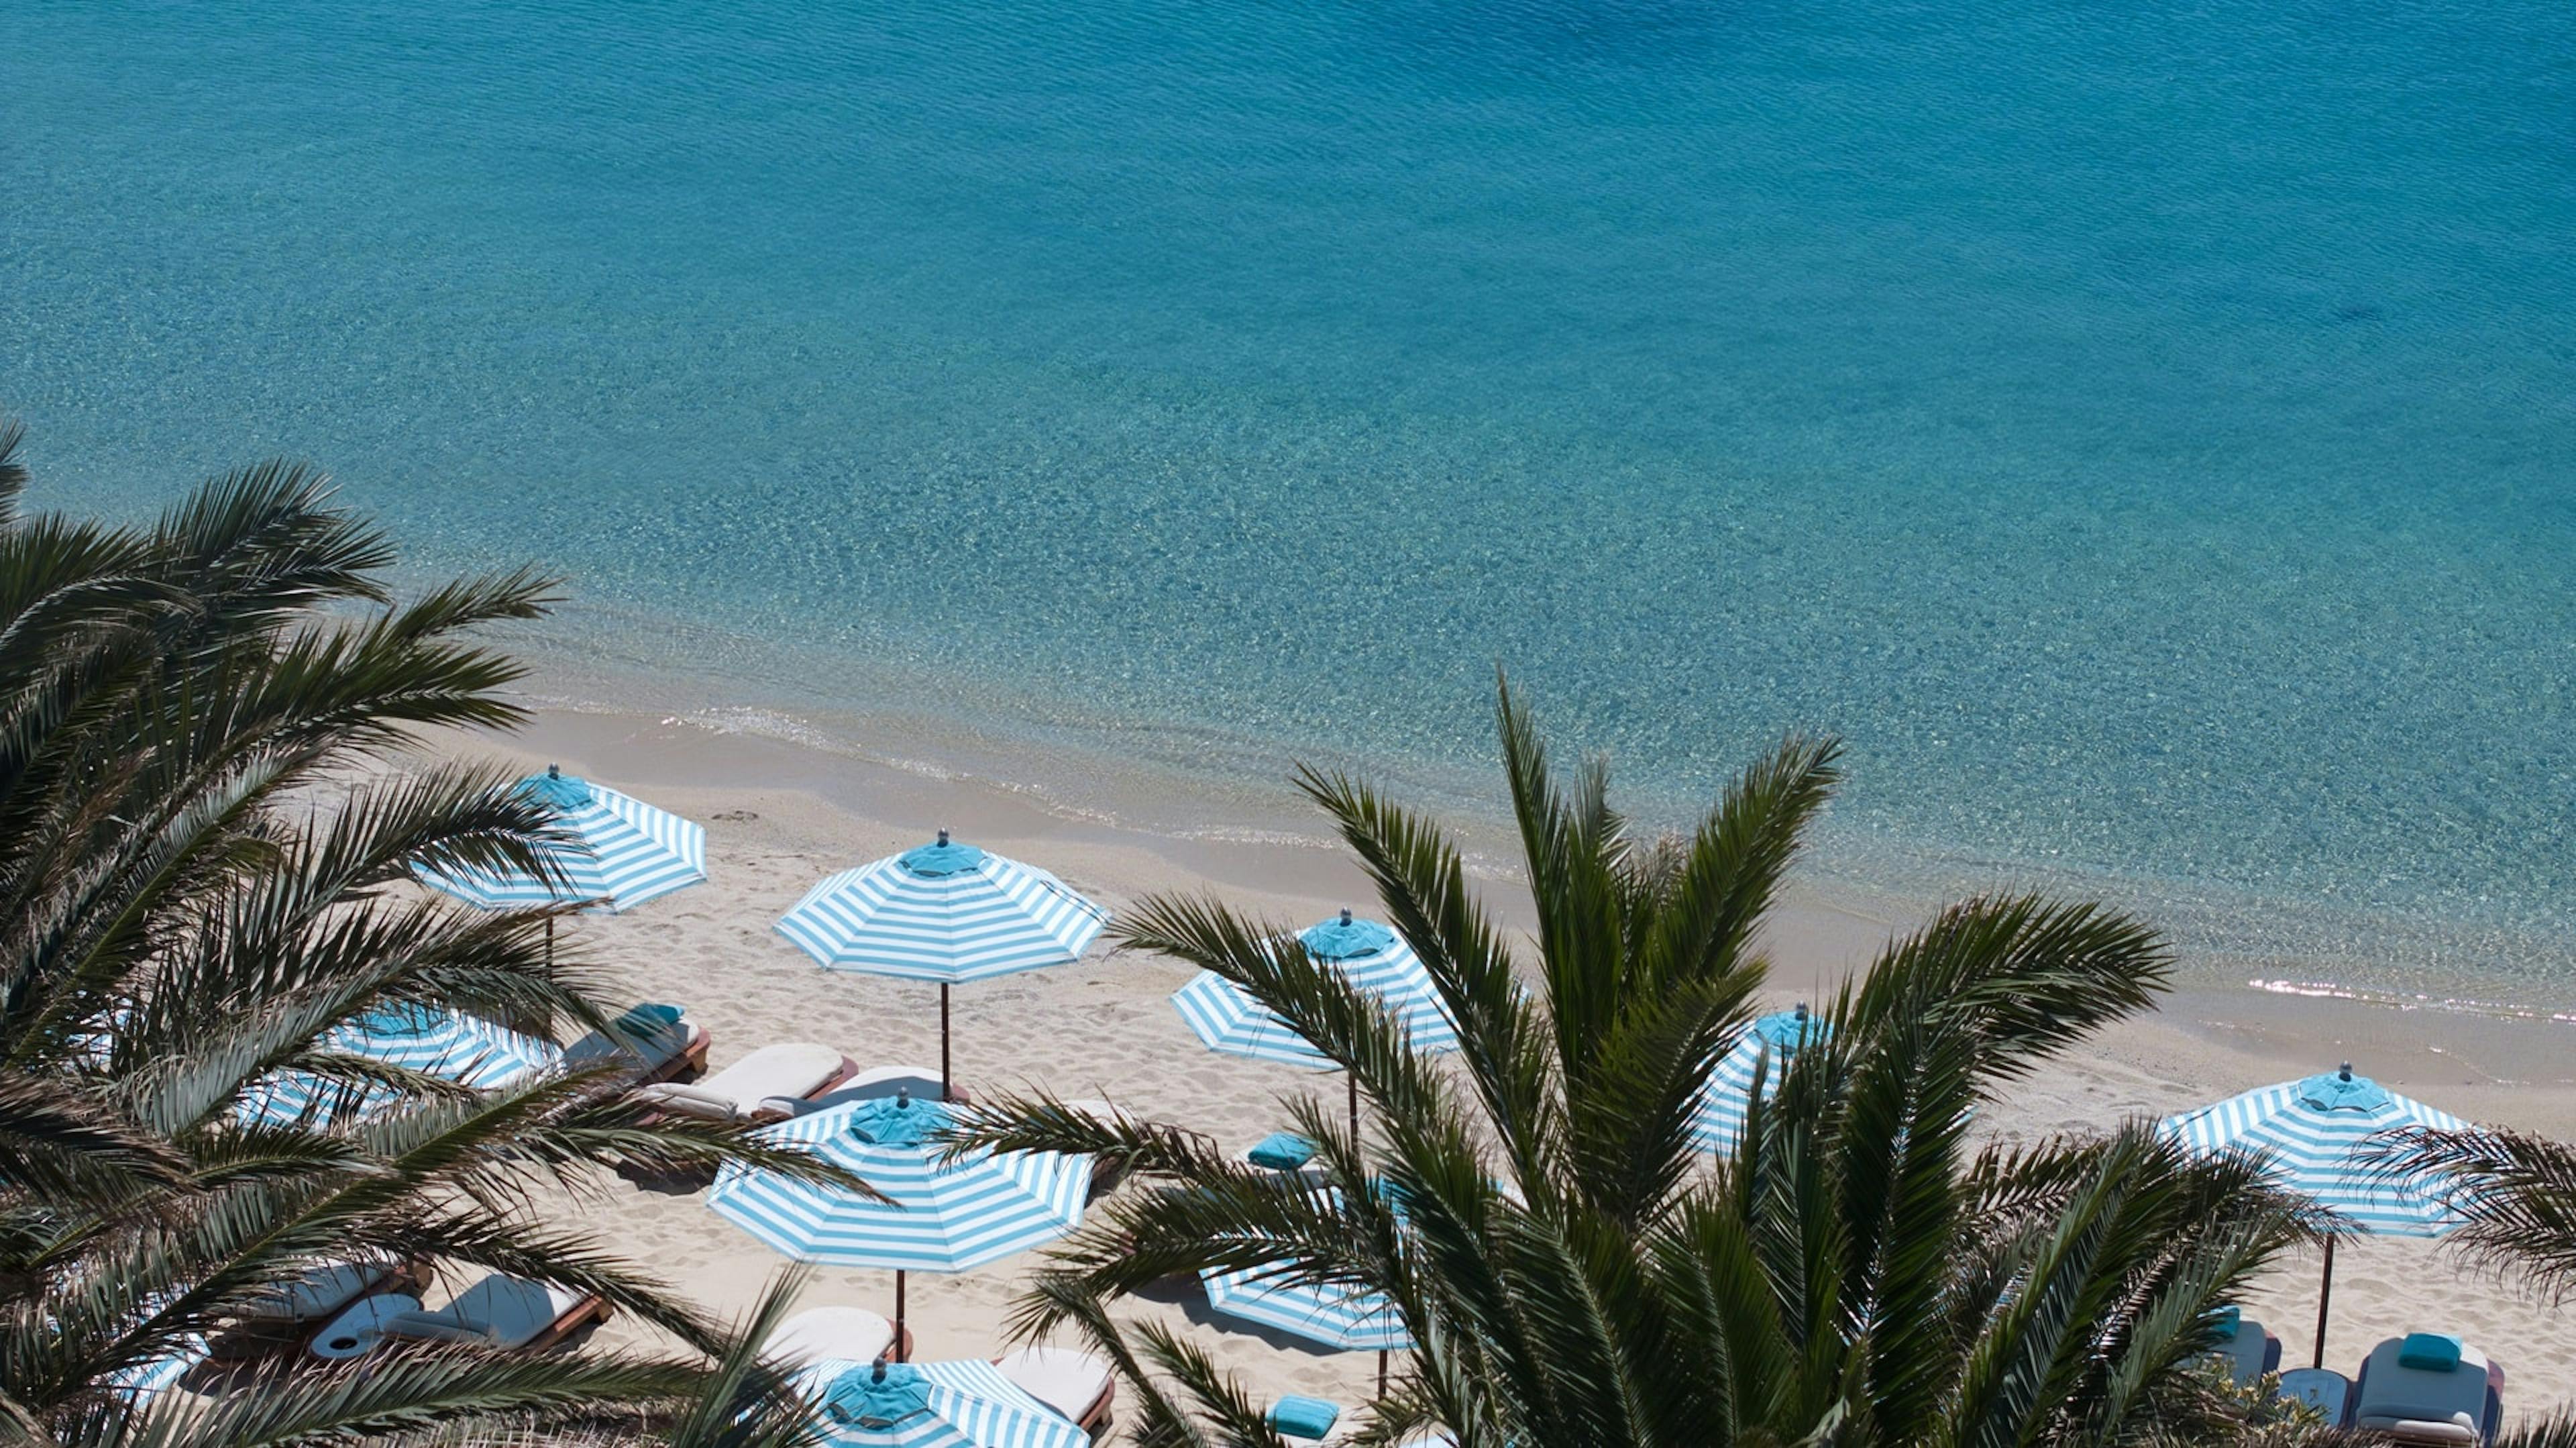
(1336,1315)
(2313,1131)
(1370,956)
(450,1045)
(945,912)
(1765,1048)
(624,852)
(932,1405)
(944,1217)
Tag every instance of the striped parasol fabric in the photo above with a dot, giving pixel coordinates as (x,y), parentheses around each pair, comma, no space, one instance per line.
(2313,1131)
(447,1044)
(1765,1049)
(945,912)
(1336,1316)
(1369,955)
(949,1216)
(625,852)
(931,1405)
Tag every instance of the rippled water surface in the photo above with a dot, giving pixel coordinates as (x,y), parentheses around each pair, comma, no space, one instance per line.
(2148,432)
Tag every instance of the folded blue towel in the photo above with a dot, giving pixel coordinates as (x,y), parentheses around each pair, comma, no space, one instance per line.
(2429,1352)
(1281,1151)
(1304,1417)
(2225,1320)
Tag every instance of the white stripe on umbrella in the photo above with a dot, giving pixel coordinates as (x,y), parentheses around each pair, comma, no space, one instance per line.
(931,1405)
(1227,1020)
(623,852)
(1337,1315)
(944,1216)
(2313,1133)
(949,913)
(1765,1048)
(447,1044)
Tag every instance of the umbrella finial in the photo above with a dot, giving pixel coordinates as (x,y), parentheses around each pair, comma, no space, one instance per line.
(1802,1010)
(943,837)
(1346,915)
(903,1098)
(877,1375)
(554,771)
(2345,1072)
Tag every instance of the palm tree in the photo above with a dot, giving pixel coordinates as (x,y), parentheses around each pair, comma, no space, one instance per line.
(202,866)
(1570,1273)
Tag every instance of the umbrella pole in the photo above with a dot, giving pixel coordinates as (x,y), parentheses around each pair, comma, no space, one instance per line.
(2325,1296)
(1381,1372)
(1355,1106)
(946,1092)
(550,942)
(897,1349)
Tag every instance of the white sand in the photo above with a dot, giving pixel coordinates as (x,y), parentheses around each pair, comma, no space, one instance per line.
(779,818)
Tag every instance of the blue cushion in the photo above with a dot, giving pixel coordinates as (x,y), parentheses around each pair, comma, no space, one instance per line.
(1281,1151)
(1304,1417)
(2429,1352)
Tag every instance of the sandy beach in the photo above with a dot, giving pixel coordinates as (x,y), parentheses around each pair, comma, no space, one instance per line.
(779,816)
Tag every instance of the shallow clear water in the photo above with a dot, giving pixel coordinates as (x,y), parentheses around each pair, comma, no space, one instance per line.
(2148,433)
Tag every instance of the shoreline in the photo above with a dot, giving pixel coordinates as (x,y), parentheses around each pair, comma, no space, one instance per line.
(1215,787)
(782,814)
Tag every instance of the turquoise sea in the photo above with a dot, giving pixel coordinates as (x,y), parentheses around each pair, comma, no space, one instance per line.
(2147,431)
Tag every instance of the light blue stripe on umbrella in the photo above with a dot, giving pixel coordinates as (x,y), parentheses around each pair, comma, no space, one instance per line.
(2313,1131)
(1371,957)
(447,1044)
(943,912)
(931,1405)
(1337,1315)
(1766,1049)
(623,852)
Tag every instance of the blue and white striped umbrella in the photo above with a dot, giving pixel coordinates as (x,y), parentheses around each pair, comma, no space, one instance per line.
(944,1216)
(944,912)
(931,1405)
(1368,955)
(448,1044)
(1341,1316)
(1766,1048)
(2313,1131)
(624,852)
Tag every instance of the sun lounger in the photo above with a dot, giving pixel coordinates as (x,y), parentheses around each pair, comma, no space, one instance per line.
(772,1083)
(1077,1385)
(2251,1351)
(286,1315)
(2428,1388)
(661,1044)
(850,1334)
(2322,1389)
(504,1312)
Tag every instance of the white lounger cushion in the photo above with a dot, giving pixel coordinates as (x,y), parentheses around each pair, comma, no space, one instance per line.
(2419,1406)
(793,1069)
(852,1334)
(501,1310)
(320,1293)
(1063,1379)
